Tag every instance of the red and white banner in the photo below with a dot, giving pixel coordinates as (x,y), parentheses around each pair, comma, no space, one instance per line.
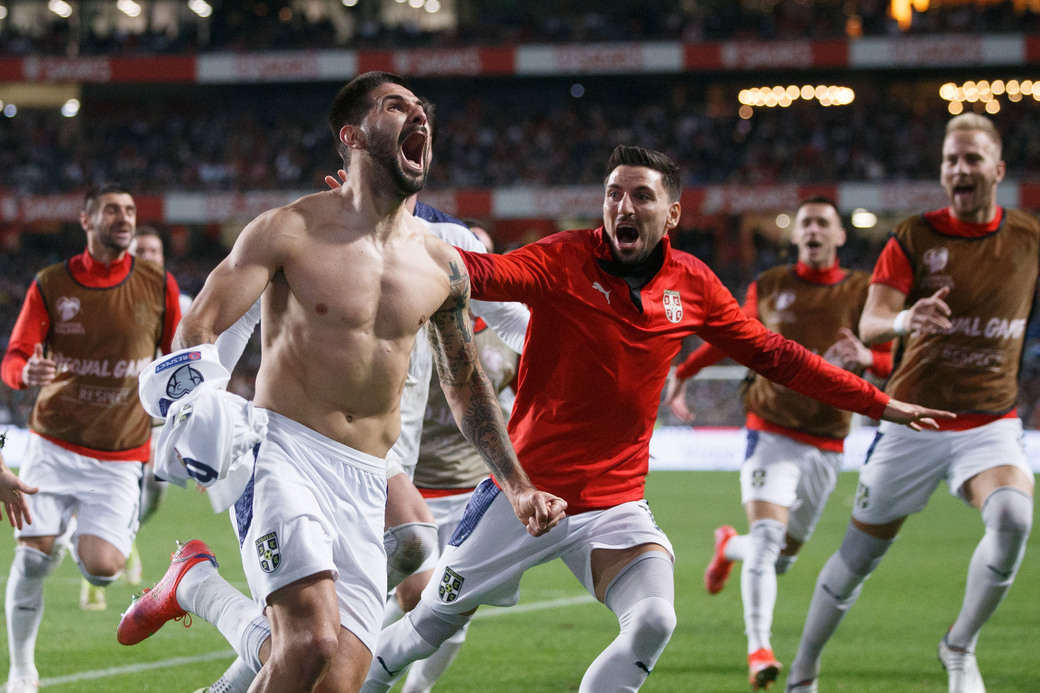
(651,57)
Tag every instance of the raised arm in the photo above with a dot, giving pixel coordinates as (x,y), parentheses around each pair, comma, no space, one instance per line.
(475,406)
(239,280)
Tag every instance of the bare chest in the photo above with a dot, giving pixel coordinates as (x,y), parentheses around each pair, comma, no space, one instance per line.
(390,291)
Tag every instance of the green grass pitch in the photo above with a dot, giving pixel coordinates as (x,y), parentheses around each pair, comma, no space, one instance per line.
(886,644)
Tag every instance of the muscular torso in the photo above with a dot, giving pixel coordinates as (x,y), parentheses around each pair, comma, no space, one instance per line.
(339,321)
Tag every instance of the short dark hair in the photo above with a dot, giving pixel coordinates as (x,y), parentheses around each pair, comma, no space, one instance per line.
(818,200)
(351,103)
(147,231)
(624,155)
(91,198)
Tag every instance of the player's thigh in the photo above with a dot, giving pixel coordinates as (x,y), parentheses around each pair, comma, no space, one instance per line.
(819,476)
(986,457)
(487,555)
(771,471)
(902,470)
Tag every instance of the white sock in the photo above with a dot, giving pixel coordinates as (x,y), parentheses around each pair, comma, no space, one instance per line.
(23,606)
(642,597)
(758,581)
(414,637)
(837,589)
(203,592)
(235,680)
(1008,515)
(426,672)
(393,611)
(737,547)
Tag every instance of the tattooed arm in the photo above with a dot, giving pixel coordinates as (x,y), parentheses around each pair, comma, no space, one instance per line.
(476,408)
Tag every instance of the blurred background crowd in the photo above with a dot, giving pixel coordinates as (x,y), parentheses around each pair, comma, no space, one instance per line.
(501,131)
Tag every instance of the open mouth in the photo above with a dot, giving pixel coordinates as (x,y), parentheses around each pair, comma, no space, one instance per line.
(626,234)
(413,148)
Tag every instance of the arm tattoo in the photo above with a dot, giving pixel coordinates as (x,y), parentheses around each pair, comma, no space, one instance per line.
(467,389)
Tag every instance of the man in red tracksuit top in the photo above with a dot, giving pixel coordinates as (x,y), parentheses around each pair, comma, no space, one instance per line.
(609,310)
(87,328)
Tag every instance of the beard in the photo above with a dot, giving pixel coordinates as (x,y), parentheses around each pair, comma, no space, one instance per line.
(383,150)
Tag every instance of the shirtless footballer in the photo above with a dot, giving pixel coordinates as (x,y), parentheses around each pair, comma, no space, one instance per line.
(348,277)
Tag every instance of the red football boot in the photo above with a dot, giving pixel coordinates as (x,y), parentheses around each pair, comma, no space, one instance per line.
(156,606)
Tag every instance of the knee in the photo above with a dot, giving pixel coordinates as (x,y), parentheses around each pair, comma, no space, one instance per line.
(654,620)
(1009,511)
(101,570)
(310,652)
(408,546)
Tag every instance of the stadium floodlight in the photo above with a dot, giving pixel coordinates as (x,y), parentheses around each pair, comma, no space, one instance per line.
(863,219)
(200,7)
(70,108)
(60,8)
(432,6)
(350,3)
(129,8)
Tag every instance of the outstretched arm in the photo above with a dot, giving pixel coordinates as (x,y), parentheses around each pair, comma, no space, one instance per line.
(476,409)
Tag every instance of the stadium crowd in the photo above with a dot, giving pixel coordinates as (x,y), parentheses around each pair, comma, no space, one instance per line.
(266,138)
(249,26)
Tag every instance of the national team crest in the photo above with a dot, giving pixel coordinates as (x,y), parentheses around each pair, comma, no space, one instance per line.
(268,553)
(758,478)
(451,586)
(862,496)
(672,305)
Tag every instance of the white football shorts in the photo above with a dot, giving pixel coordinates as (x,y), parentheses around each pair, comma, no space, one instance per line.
(490,550)
(104,496)
(904,466)
(796,475)
(312,506)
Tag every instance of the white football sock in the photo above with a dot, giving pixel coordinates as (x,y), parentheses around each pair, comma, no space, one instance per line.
(737,547)
(642,596)
(203,592)
(414,637)
(837,589)
(23,605)
(1008,515)
(758,581)
(426,672)
(393,611)
(235,680)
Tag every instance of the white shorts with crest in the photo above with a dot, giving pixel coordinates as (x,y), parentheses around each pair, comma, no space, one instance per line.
(313,506)
(490,550)
(905,466)
(784,471)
